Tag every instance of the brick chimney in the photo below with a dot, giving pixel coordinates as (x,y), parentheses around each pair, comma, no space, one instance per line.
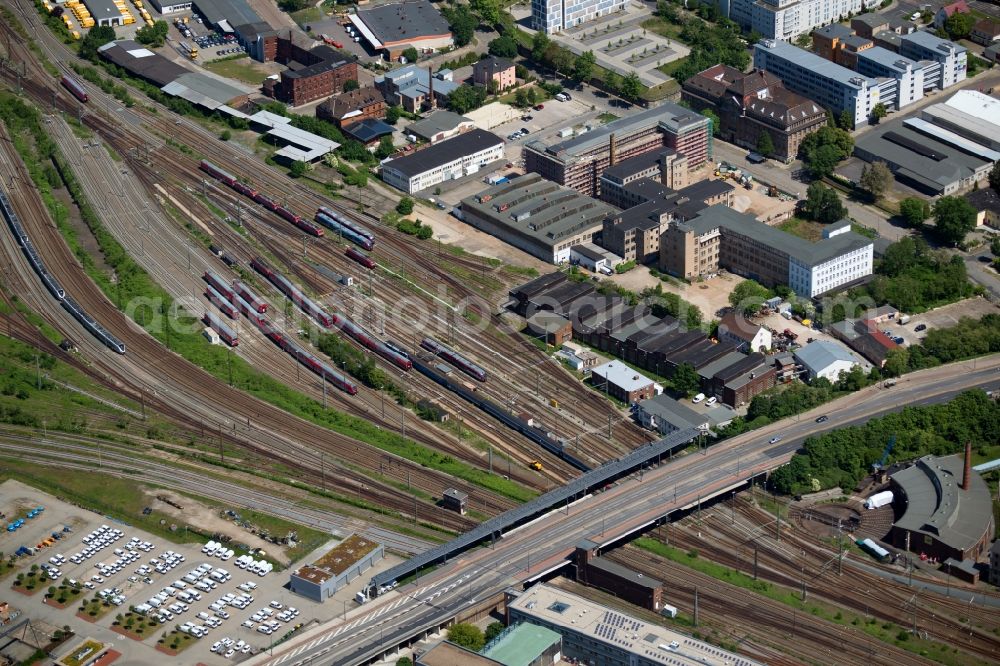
(613,150)
(664,171)
(967,474)
(430,86)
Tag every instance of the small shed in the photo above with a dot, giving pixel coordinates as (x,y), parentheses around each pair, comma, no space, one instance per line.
(455,500)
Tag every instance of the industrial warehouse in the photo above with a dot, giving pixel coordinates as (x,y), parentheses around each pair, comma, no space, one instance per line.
(338,567)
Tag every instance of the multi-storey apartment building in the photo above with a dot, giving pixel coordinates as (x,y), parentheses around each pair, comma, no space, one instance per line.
(579,162)
(905,77)
(551,16)
(720,237)
(822,81)
(784,19)
(951,57)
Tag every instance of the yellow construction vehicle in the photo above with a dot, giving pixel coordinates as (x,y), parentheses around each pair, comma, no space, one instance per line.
(535,465)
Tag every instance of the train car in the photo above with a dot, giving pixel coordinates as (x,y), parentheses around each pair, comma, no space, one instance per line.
(93,326)
(218,173)
(323,370)
(346,222)
(226,333)
(293,293)
(265,201)
(360,257)
(248,310)
(255,301)
(219,301)
(345,232)
(245,189)
(453,357)
(220,285)
(397,348)
(39,267)
(75,88)
(369,341)
(308,227)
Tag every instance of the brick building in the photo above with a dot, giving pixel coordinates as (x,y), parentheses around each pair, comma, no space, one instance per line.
(314,72)
(579,162)
(352,107)
(755,103)
(498,70)
(612,577)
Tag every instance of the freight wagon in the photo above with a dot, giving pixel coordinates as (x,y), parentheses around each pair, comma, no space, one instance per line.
(75,88)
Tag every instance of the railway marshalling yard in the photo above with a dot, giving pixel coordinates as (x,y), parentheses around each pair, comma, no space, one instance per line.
(139,171)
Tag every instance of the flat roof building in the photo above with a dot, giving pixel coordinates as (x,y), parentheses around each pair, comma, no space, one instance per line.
(395,27)
(922,156)
(720,237)
(552,16)
(819,79)
(622,382)
(946,509)
(338,567)
(952,58)
(905,77)
(970,114)
(459,156)
(536,215)
(826,359)
(525,644)
(447,653)
(589,629)
(580,161)
(664,415)
(413,88)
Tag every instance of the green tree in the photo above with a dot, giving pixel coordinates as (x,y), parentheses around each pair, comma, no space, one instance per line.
(226,135)
(823,204)
(298,169)
(897,361)
(539,44)
(995,177)
(612,82)
(462,24)
(959,25)
(494,629)
(995,246)
(631,87)
(876,179)
(583,69)
(714,117)
(392,114)
(504,46)
(914,211)
(411,54)
(351,84)
(404,661)
(560,59)
(845,120)
(385,148)
(405,206)
(532,95)
(686,380)
(520,98)
(879,112)
(954,217)
(153,35)
(765,144)
(465,98)
(468,636)
(489,11)
(748,297)
(96,37)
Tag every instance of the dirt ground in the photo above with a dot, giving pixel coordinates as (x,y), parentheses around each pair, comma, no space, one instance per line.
(206,518)
(710,295)
(943,317)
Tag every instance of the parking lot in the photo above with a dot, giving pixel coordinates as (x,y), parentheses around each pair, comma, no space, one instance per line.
(214,45)
(942,317)
(227,602)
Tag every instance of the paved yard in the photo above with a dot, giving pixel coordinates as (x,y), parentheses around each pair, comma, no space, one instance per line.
(943,317)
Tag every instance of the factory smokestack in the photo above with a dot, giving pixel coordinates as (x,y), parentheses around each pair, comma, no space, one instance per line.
(612,149)
(430,86)
(967,474)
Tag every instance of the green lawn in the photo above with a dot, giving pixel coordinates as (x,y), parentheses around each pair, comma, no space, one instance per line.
(672,66)
(141,625)
(241,68)
(663,28)
(307,15)
(96,608)
(176,640)
(807,229)
(607,117)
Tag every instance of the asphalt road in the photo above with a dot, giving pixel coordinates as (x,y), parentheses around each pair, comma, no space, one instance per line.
(372,629)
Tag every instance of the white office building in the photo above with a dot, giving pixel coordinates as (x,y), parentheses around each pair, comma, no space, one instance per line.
(784,19)
(822,81)
(903,79)
(552,16)
(460,156)
(951,57)
(826,266)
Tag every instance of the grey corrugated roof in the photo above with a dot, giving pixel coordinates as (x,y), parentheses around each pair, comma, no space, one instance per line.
(102,9)
(235,12)
(445,152)
(519,515)
(618,570)
(404,20)
(142,62)
(931,41)
(936,505)
(202,90)
(673,412)
(820,354)
(887,58)
(439,121)
(803,251)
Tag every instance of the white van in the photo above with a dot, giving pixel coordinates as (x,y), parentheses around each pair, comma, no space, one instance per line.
(698,398)
(561,97)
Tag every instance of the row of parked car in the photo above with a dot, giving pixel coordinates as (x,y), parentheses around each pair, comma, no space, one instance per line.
(227,647)
(214,39)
